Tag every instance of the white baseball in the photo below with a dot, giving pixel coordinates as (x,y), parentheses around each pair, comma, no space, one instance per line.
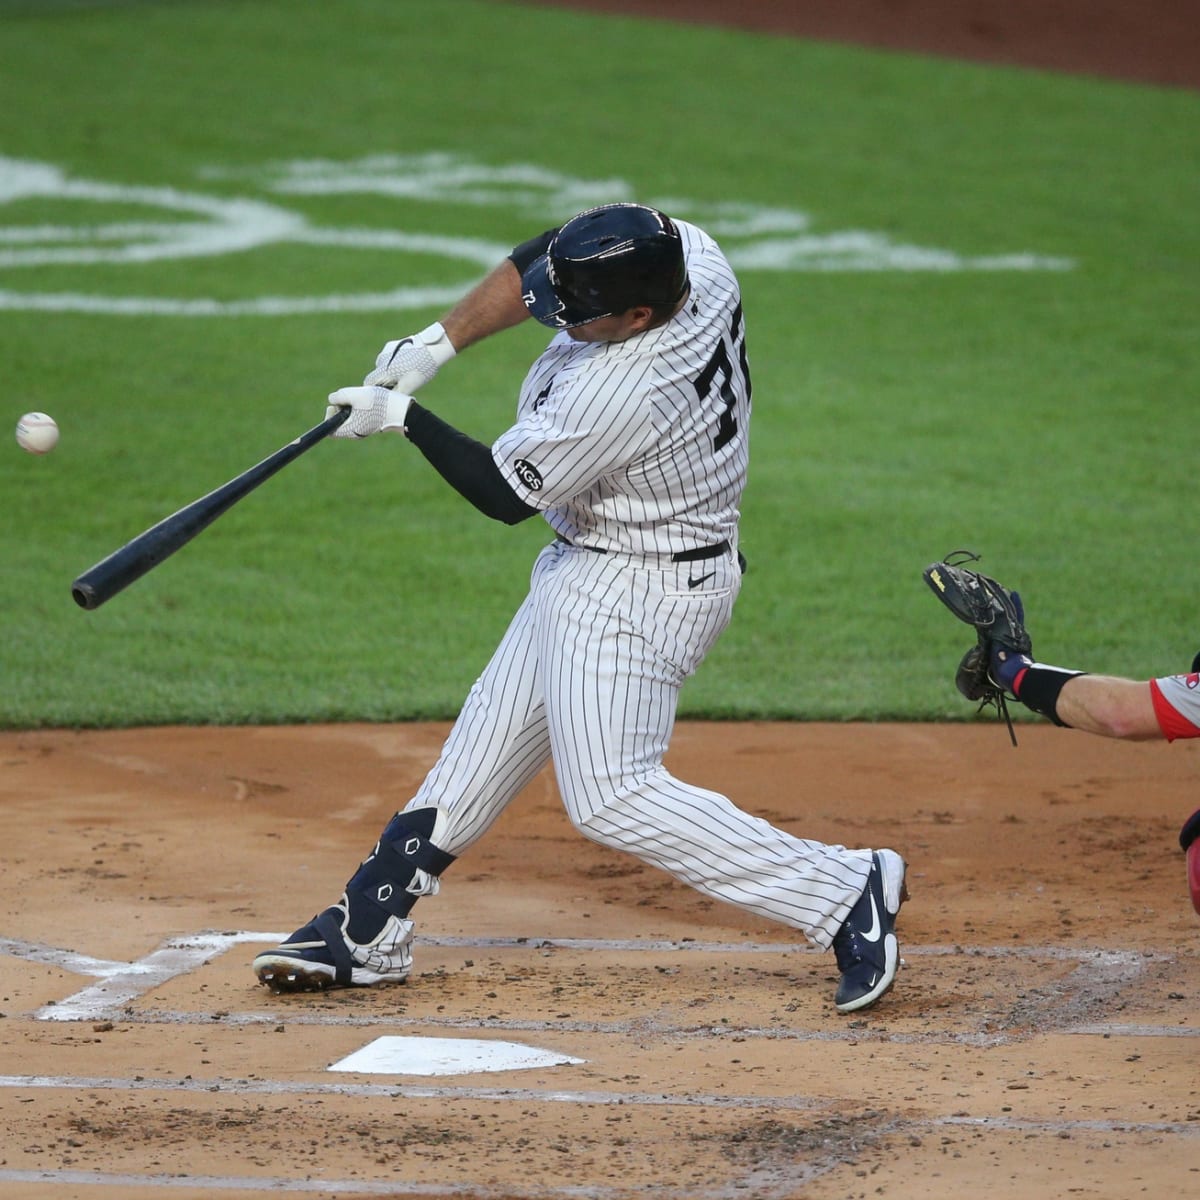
(37,433)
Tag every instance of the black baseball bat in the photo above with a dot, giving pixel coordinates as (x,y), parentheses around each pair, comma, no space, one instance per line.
(147,550)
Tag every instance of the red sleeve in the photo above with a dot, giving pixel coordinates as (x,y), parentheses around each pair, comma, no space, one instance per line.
(1170,720)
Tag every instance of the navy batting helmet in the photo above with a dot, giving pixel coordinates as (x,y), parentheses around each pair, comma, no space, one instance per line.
(604,261)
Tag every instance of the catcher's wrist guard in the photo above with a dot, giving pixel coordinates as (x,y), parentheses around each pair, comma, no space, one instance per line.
(1040,687)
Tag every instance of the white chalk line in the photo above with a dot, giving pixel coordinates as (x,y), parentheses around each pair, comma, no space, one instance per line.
(1128,1030)
(650,1027)
(215,1183)
(798,1173)
(68,960)
(640,1026)
(124,983)
(402,1091)
(788,1103)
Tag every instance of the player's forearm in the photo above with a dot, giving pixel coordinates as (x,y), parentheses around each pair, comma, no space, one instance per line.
(492,305)
(1101,704)
(466,465)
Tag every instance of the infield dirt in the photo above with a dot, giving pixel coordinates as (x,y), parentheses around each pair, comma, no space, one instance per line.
(1042,1035)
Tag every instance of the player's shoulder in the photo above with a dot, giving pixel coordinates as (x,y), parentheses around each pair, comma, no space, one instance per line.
(689,233)
(698,244)
(708,267)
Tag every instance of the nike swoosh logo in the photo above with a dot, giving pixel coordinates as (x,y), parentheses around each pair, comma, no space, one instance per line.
(876,931)
(695,583)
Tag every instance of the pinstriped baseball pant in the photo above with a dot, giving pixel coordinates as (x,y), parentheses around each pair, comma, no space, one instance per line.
(588,676)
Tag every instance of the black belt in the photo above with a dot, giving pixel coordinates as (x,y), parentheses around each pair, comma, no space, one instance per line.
(696,555)
(701,552)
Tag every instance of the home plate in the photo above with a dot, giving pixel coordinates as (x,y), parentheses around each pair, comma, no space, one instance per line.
(446,1056)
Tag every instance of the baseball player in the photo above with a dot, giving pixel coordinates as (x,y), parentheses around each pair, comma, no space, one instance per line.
(630,440)
(1167,707)
(1002,663)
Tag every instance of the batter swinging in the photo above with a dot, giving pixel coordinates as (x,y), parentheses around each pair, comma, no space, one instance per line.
(631,441)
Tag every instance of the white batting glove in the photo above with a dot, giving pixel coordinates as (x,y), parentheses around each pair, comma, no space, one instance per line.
(409,363)
(372,410)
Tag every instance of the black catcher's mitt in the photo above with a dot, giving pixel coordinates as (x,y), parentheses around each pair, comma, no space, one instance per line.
(996,615)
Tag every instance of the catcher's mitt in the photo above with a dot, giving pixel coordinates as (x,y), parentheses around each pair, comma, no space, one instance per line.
(996,615)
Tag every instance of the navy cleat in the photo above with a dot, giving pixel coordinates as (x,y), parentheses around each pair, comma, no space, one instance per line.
(866,947)
(320,955)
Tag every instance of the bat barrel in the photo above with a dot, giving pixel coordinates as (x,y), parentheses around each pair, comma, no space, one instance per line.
(148,549)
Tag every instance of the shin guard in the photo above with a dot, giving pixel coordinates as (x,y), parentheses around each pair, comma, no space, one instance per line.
(404,866)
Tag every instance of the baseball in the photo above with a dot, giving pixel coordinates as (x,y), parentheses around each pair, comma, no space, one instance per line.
(37,433)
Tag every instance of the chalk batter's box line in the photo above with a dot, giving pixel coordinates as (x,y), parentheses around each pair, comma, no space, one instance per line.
(792,1103)
(123,983)
(733,1190)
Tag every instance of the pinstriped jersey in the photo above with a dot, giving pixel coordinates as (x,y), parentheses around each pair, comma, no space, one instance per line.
(641,446)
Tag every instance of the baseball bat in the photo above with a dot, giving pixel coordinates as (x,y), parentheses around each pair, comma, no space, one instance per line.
(148,549)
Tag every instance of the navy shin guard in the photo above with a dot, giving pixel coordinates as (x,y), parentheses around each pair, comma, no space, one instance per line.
(389,881)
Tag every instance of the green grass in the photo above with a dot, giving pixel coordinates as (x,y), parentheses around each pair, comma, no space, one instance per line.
(1047,419)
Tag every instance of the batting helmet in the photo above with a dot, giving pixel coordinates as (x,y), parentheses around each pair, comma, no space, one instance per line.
(604,261)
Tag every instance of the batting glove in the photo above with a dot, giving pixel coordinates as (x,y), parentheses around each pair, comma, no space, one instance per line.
(409,363)
(372,410)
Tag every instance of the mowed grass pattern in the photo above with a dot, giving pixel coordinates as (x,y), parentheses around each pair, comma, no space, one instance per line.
(1045,417)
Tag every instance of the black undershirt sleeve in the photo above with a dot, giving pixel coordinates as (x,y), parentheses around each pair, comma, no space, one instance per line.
(466,465)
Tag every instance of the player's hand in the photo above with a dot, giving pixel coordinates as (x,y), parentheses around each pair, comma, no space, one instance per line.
(372,410)
(408,363)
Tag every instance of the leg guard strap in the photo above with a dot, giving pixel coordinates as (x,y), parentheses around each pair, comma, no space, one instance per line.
(391,878)
(328,926)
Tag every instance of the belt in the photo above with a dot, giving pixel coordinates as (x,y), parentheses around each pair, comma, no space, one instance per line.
(701,552)
(696,555)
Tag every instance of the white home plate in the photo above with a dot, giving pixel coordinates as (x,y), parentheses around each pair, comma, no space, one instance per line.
(446,1056)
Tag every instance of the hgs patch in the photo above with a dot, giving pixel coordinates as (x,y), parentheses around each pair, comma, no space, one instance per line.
(528,474)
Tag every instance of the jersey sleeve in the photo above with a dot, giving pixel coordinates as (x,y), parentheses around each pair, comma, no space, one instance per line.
(580,432)
(1176,701)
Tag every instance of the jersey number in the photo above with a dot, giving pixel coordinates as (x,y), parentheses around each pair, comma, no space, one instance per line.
(720,364)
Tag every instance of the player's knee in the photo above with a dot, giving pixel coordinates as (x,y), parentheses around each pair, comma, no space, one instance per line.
(613,818)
